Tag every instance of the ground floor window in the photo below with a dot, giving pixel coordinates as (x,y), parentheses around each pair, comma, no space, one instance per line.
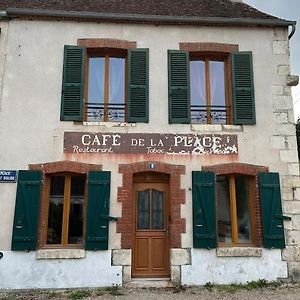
(234,209)
(66,209)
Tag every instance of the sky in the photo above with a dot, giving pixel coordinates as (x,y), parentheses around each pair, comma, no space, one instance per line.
(290,10)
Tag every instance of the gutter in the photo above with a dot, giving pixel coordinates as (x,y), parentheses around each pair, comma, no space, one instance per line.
(293,30)
(156,19)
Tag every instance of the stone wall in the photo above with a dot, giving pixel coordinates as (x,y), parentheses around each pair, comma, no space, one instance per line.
(285,142)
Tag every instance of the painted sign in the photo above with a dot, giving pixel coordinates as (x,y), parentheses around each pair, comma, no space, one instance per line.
(150,143)
(8,176)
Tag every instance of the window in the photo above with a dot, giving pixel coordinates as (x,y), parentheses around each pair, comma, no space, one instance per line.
(234,209)
(237,205)
(209,89)
(66,210)
(105,85)
(70,210)
(105,92)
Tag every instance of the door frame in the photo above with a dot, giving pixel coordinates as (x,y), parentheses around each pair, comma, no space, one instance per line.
(151,180)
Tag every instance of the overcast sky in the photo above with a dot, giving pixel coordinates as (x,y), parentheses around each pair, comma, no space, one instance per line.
(290,10)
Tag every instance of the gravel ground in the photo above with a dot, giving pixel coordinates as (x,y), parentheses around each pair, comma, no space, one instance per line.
(286,292)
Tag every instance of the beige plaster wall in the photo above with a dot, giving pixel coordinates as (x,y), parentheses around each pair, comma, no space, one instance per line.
(31,132)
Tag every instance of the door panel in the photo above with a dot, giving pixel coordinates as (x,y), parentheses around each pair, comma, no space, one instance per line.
(158,247)
(142,255)
(151,246)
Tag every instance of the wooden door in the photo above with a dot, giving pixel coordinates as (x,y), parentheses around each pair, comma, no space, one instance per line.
(151,236)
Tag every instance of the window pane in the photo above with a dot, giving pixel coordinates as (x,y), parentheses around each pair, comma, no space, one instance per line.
(198,92)
(223,210)
(56,204)
(241,188)
(116,89)
(217,90)
(116,80)
(143,210)
(96,88)
(157,209)
(96,79)
(76,210)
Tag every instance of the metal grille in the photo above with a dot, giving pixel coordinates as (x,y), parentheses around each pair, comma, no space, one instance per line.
(218,114)
(100,112)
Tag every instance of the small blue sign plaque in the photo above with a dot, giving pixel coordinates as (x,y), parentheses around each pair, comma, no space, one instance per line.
(8,176)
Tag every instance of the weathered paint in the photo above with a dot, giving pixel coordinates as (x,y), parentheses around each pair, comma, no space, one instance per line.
(21,270)
(207,267)
(31,108)
(150,143)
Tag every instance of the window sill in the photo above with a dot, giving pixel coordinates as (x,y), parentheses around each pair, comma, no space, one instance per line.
(60,253)
(216,127)
(239,252)
(109,124)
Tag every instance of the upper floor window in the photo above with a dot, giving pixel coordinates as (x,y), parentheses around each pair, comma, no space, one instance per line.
(211,87)
(208,90)
(105,84)
(105,91)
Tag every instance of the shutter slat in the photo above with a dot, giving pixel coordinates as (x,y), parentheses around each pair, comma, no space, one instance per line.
(27,211)
(97,228)
(179,89)
(204,215)
(138,85)
(73,84)
(273,231)
(243,89)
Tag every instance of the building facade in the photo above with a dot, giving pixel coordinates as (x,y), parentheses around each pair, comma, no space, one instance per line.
(149,140)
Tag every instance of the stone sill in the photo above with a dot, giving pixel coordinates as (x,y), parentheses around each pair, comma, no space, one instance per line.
(60,254)
(239,252)
(216,128)
(109,124)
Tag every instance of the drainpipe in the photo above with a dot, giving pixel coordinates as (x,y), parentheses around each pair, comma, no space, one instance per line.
(293,30)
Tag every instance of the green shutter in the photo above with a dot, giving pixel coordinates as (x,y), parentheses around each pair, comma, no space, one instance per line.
(272,218)
(73,84)
(243,89)
(179,87)
(204,214)
(98,211)
(27,211)
(138,86)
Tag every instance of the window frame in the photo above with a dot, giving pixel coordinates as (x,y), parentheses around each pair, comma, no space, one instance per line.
(208,56)
(45,214)
(106,53)
(251,191)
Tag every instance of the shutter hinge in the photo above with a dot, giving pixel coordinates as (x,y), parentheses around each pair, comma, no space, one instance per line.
(282,217)
(109,218)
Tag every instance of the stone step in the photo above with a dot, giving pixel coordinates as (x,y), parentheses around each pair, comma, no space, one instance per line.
(151,282)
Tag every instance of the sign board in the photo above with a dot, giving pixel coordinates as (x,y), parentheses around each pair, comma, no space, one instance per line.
(150,143)
(8,176)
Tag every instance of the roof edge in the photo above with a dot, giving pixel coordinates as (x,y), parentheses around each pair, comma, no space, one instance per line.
(160,19)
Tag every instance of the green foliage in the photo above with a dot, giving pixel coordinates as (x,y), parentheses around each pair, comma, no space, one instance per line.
(79,294)
(177,288)
(251,285)
(209,286)
(115,290)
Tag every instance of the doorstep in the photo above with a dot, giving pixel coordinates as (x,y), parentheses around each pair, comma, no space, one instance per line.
(150,282)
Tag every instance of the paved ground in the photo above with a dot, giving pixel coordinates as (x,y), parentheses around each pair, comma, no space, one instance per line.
(283,292)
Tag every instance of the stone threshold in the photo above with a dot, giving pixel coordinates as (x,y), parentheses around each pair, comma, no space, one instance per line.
(150,282)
